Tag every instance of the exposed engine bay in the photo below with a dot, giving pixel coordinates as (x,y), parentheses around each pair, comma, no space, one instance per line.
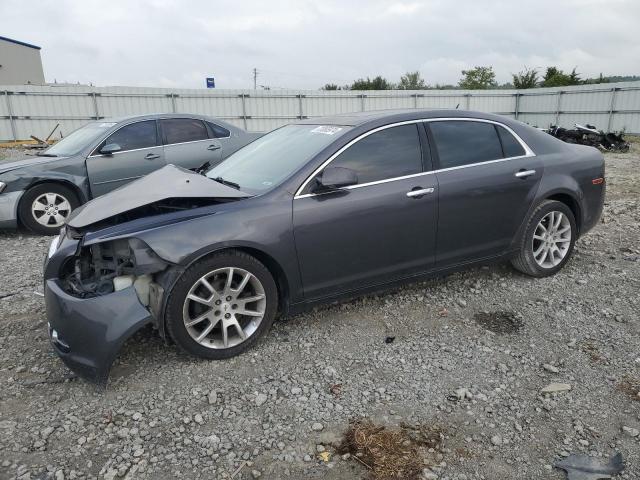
(107,267)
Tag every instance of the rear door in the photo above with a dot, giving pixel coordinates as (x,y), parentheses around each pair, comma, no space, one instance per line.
(487,180)
(187,143)
(376,231)
(141,153)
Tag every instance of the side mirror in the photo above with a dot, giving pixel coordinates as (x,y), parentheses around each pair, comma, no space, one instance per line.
(110,149)
(333,178)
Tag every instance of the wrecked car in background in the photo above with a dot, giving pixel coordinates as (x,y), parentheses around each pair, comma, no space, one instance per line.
(41,192)
(310,213)
(590,136)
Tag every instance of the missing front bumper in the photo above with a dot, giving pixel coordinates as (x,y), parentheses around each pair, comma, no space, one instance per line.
(89,332)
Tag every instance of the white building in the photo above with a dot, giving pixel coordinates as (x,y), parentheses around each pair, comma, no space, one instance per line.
(20,63)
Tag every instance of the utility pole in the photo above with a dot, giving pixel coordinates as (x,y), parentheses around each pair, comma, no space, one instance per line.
(255,78)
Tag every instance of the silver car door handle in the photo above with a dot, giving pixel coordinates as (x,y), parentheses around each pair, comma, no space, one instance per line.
(525,173)
(213,147)
(151,156)
(420,193)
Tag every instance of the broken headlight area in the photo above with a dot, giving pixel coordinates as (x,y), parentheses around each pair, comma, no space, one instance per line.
(108,267)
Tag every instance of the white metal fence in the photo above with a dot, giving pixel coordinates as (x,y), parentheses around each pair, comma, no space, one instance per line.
(34,110)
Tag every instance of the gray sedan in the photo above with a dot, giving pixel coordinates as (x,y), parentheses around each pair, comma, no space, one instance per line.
(311,213)
(41,192)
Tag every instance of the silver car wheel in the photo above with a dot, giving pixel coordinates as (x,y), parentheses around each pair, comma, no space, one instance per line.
(551,239)
(224,308)
(50,209)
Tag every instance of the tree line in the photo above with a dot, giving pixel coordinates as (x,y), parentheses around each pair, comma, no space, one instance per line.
(482,78)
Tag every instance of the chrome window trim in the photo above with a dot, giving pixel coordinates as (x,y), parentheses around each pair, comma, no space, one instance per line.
(123,151)
(191,141)
(528,153)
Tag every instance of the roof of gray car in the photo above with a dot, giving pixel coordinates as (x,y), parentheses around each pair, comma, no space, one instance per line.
(153,116)
(361,118)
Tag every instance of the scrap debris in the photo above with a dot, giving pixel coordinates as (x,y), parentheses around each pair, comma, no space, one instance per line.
(591,136)
(582,467)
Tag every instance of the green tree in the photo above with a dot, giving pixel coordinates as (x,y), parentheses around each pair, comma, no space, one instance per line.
(554,77)
(330,86)
(412,81)
(525,79)
(478,78)
(377,83)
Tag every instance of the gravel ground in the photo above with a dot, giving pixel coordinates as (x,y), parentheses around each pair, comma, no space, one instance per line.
(470,357)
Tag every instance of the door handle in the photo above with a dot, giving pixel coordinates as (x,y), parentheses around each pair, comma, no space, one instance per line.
(525,173)
(420,192)
(213,147)
(151,156)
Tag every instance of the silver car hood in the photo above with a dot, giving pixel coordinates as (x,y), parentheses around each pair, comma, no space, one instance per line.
(26,162)
(166,183)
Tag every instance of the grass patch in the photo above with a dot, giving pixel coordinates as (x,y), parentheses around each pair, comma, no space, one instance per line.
(390,453)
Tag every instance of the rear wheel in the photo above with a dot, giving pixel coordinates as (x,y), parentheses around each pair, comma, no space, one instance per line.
(222,305)
(548,241)
(45,208)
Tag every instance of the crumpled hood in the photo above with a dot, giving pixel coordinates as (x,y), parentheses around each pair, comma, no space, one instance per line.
(163,184)
(26,162)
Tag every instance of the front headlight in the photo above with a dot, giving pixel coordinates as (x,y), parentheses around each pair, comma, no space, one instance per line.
(54,245)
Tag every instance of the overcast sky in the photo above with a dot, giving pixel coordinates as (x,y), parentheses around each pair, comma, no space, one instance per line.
(305,44)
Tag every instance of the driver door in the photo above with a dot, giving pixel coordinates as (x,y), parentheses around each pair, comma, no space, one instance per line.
(381,229)
(140,153)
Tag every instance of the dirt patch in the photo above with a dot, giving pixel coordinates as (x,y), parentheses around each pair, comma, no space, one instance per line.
(630,386)
(390,453)
(501,322)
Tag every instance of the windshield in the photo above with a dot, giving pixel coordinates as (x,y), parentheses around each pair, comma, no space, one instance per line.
(79,139)
(270,159)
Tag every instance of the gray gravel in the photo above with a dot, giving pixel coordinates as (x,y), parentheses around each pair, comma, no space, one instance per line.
(271,412)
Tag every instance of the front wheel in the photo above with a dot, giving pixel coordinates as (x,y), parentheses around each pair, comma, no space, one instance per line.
(548,240)
(45,208)
(221,305)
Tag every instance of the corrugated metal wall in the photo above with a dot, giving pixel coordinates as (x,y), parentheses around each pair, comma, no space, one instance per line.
(34,110)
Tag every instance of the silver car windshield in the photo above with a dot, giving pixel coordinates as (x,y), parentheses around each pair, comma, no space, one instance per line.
(79,139)
(269,160)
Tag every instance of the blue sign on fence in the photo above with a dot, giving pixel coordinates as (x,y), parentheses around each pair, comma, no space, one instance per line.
(211,82)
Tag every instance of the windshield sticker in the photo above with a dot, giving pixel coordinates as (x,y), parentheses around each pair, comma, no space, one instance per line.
(107,124)
(326,130)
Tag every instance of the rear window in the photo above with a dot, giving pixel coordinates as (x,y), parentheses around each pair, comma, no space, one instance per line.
(180,130)
(465,142)
(218,131)
(510,146)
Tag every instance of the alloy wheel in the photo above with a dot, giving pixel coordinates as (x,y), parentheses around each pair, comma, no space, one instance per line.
(551,239)
(50,209)
(224,307)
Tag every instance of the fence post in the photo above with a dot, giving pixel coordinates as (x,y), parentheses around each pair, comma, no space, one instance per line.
(244,111)
(300,109)
(415,100)
(517,107)
(173,102)
(96,112)
(12,121)
(558,105)
(612,107)
(362,106)
(467,101)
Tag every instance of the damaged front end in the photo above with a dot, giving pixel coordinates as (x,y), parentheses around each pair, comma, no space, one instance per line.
(101,295)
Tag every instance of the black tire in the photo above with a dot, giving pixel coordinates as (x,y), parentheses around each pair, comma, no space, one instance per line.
(27,216)
(525,261)
(177,296)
